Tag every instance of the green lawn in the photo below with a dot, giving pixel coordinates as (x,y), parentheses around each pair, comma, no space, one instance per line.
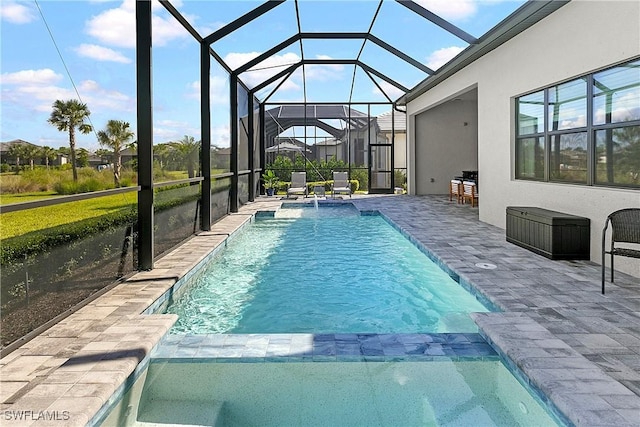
(8,198)
(18,223)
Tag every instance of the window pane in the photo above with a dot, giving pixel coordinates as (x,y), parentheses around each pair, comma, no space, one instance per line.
(616,94)
(530,158)
(243,130)
(618,156)
(569,157)
(220,117)
(531,113)
(568,105)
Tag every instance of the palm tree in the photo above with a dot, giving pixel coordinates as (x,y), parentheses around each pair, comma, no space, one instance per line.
(188,148)
(82,157)
(67,116)
(30,153)
(17,151)
(49,154)
(116,136)
(104,154)
(161,151)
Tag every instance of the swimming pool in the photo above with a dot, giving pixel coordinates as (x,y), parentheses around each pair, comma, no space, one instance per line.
(442,393)
(382,377)
(318,271)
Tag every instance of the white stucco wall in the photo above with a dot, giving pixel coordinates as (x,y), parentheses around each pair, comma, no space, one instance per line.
(448,145)
(579,38)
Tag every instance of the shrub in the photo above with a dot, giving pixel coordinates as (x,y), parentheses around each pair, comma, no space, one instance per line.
(4,167)
(362,177)
(66,187)
(12,184)
(92,184)
(16,248)
(400,178)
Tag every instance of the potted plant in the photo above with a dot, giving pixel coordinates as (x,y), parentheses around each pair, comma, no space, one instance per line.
(271,182)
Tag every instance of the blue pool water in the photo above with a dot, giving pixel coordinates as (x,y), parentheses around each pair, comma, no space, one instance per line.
(331,274)
(444,393)
(320,271)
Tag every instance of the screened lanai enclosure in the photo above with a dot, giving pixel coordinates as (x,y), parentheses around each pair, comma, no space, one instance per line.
(323,138)
(267,109)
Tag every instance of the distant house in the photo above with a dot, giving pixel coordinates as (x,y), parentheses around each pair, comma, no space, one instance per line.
(97,162)
(128,155)
(8,158)
(399,129)
(327,149)
(6,147)
(221,159)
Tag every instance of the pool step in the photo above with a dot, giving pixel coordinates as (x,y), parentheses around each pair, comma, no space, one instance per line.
(180,413)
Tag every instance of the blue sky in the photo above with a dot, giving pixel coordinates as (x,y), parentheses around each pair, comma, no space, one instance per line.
(96,39)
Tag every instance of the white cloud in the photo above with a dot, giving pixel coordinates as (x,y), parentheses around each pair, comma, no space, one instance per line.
(44,76)
(99,98)
(220,136)
(391,91)
(117,27)
(324,72)
(441,56)
(276,63)
(625,107)
(36,90)
(219,90)
(101,53)
(209,28)
(16,13)
(450,9)
(264,70)
(173,130)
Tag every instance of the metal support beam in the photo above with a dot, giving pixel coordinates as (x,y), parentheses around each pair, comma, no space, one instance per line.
(277,48)
(383,77)
(144,90)
(400,54)
(233,106)
(263,160)
(330,35)
(442,23)
(275,89)
(205,129)
(393,150)
(244,19)
(293,67)
(251,149)
(377,85)
(272,79)
(194,33)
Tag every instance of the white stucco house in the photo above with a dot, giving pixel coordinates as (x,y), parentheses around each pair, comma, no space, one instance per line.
(546,107)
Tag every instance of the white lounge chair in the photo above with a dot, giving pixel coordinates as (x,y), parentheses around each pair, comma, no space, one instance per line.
(298,184)
(340,184)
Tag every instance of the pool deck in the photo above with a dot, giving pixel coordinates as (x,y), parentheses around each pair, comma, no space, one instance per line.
(580,348)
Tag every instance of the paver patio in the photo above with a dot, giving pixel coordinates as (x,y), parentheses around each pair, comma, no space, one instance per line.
(582,349)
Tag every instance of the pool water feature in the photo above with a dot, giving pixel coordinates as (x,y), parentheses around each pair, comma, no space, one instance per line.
(330,270)
(442,393)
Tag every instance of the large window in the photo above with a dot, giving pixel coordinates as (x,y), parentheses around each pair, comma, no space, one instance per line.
(585,131)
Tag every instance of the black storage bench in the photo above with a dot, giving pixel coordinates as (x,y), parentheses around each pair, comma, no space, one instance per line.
(555,235)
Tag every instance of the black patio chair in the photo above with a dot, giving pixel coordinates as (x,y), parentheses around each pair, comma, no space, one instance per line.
(625,228)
